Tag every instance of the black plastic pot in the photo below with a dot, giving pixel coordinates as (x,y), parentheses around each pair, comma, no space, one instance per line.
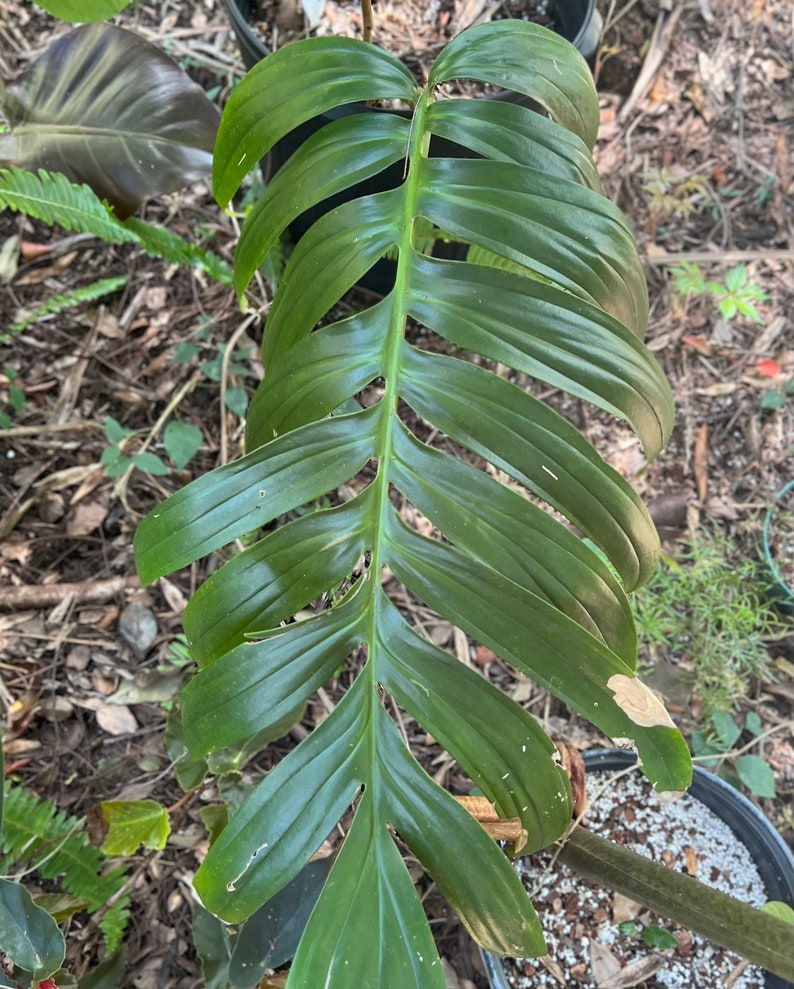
(770,854)
(576,20)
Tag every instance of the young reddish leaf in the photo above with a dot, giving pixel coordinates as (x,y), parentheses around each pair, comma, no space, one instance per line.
(768,368)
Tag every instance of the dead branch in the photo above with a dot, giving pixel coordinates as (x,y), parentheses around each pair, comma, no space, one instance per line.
(30,596)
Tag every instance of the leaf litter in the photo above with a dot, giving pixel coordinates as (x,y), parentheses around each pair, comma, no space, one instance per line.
(701,162)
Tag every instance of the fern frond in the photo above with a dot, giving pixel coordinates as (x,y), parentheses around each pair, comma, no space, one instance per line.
(66,300)
(162,243)
(38,836)
(114,924)
(51,197)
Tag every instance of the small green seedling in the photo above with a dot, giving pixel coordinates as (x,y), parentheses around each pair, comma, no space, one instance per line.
(715,747)
(775,398)
(180,439)
(652,935)
(16,397)
(735,296)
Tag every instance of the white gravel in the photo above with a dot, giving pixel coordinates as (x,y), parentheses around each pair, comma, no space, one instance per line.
(682,833)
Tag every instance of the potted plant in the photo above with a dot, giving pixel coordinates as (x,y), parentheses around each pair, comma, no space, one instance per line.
(552,287)
(714,834)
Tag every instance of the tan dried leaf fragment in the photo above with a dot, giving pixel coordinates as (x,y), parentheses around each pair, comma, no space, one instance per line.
(639,702)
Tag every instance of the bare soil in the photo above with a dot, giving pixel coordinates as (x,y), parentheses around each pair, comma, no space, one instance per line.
(695,146)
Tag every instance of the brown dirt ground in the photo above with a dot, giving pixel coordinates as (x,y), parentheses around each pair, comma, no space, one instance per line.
(696,146)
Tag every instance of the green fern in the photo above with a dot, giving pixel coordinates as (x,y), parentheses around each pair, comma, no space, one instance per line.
(38,836)
(52,198)
(58,303)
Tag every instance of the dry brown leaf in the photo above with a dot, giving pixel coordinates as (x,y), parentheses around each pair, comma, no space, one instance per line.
(87,518)
(700,462)
(636,972)
(55,708)
(553,968)
(639,702)
(115,719)
(604,966)
(573,765)
(176,599)
(624,909)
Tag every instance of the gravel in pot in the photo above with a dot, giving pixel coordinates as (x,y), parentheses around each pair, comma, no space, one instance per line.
(598,939)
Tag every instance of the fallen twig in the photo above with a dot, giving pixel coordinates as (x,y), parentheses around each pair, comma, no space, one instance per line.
(663,258)
(660,42)
(30,596)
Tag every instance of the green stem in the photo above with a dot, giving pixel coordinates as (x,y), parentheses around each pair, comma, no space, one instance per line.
(366,15)
(758,936)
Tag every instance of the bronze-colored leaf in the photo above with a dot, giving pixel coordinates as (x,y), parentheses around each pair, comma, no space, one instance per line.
(109,109)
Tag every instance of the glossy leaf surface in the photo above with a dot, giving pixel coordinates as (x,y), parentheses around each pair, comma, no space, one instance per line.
(569,310)
(110,110)
(28,934)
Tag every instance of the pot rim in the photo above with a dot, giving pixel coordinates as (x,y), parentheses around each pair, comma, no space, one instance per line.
(253,49)
(771,855)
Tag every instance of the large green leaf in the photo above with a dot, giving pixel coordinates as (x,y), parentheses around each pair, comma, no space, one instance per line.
(29,936)
(110,110)
(281,616)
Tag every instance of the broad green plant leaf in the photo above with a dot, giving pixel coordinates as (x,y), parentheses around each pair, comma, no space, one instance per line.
(181,441)
(83,11)
(554,291)
(29,936)
(110,110)
(238,957)
(132,823)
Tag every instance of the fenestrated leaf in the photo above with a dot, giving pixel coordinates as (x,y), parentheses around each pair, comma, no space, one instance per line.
(514,766)
(277,577)
(535,637)
(317,374)
(29,936)
(527,59)
(332,72)
(108,109)
(258,683)
(338,250)
(233,501)
(318,780)
(497,526)
(539,448)
(369,898)
(497,913)
(321,165)
(570,310)
(573,345)
(508,132)
(559,229)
